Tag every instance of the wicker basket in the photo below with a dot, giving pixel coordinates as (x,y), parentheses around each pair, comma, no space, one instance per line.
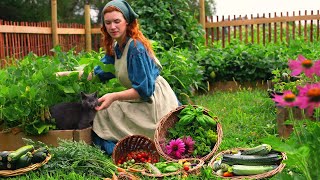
(135,143)
(168,121)
(8,173)
(257,176)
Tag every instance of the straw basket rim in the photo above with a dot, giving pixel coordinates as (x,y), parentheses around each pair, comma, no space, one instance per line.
(166,118)
(20,171)
(279,168)
(151,147)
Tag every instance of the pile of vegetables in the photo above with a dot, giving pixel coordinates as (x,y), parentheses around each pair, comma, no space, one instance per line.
(139,156)
(22,157)
(252,161)
(196,129)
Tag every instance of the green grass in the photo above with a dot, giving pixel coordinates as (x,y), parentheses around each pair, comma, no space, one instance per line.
(246,116)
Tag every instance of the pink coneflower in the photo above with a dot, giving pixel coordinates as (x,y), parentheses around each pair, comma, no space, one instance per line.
(303,65)
(310,97)
(189,144)
(176,148)
(288,99)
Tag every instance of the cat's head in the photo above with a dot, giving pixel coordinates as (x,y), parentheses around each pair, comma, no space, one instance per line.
(89,100)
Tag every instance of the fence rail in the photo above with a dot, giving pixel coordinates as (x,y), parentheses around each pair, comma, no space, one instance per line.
(269,28)
(17,39)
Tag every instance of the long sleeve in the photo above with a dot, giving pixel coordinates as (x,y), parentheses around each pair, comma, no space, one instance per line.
(142,70)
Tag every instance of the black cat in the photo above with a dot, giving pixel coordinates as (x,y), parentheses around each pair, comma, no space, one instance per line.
(75,115)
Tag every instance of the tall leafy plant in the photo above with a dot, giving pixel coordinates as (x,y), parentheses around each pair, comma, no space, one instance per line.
(169,22)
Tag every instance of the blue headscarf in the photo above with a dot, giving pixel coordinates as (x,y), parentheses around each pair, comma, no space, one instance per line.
(125,9)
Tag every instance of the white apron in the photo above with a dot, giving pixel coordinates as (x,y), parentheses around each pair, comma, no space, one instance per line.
(131,117)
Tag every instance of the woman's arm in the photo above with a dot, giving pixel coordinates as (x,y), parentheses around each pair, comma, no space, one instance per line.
(109,98)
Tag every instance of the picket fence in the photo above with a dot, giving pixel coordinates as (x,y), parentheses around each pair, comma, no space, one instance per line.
(265,28)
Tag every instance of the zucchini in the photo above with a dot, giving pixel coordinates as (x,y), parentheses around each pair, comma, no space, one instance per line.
(3,165)
(250,170)
(38,156)
(262,149)
(24,160)
(15,155)
(44,149)
(269,159)
(4,156)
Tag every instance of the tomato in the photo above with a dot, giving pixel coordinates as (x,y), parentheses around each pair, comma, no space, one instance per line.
(227,174)
(186,168)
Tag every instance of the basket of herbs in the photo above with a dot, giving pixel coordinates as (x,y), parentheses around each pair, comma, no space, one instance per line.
(189,131)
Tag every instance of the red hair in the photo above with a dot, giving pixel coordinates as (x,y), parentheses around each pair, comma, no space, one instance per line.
(133,31)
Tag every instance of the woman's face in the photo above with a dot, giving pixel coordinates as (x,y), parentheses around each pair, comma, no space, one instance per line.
(116,25)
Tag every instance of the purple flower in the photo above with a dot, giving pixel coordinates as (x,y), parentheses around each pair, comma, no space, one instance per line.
(310,97)
(176,148)
(189,144)
(288,99)
(303,65)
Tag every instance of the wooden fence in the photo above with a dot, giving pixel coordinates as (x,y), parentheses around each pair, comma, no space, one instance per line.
(269,28)
(17,39)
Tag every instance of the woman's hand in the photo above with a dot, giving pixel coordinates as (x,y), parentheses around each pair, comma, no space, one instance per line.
(106,100)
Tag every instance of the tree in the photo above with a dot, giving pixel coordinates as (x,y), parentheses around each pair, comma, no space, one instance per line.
(37,11)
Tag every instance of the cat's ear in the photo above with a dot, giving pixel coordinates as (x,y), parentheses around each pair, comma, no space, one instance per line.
(82,94)
(96,94)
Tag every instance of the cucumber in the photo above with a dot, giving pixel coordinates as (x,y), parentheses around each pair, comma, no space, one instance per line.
(262,149)
(250,170)
(24,160)
(4,156)
(13,156)
(269,159)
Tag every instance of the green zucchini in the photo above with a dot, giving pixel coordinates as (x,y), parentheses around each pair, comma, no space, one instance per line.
(15,155)
(24,160)
(268,159)
(38,156)
(44,149)
(3,165)
(250,170)
(4,156)
(262,149)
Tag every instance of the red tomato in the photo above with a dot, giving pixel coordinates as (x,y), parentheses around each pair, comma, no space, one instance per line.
(227,174)
(186,168)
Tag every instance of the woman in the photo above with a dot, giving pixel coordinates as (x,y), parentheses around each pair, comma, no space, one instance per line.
(148,96)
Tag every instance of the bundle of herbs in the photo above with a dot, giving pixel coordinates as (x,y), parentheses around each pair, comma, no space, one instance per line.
(194,135)
(80,158)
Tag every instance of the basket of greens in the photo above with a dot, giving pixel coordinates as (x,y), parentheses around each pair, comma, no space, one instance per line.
(189,131)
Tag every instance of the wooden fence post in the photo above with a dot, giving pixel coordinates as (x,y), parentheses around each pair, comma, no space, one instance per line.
(87,26)
(54,23)
(202,16)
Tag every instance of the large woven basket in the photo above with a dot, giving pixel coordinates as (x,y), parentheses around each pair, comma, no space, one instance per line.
(168,121)
(16,172)
(279,168)
(135,143)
